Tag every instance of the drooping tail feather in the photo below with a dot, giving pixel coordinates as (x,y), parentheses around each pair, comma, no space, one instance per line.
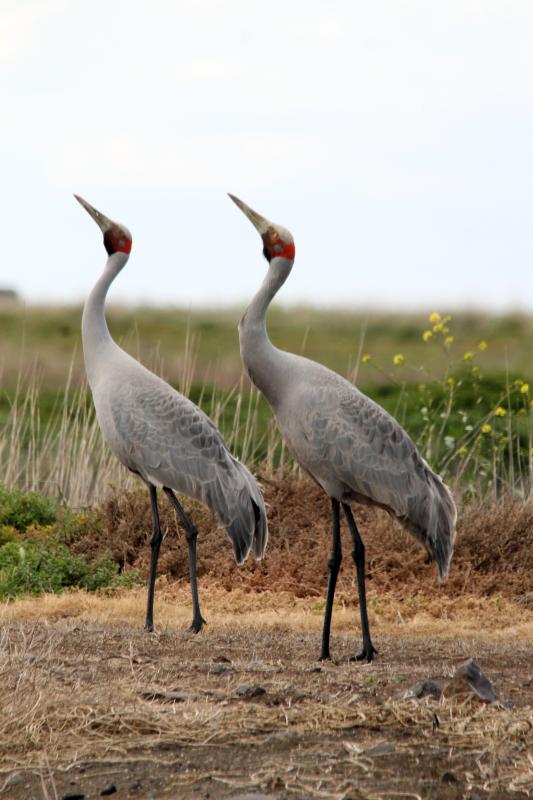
(261,530)
(260,534)
(245,518)
(431,519)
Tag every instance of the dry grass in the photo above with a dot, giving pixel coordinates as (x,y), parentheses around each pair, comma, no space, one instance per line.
(467,617)
(75,703)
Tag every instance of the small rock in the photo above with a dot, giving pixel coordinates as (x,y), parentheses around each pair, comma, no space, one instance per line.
(221,660)
(135,786)
(248,690)
(168,697)
(219,669)
(111,789)
(315,669)
(448,777)
(72,796)
(468,679)
(431,687)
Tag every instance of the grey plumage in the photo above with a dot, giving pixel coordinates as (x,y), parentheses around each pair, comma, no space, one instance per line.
(161,435)
(164,437)
(357,451)
(346,442)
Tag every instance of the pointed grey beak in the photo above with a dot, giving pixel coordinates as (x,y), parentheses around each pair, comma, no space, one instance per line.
(103,222)
(260,223)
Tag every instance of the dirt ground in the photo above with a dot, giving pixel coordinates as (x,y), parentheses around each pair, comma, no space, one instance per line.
(245,710)
(91,706)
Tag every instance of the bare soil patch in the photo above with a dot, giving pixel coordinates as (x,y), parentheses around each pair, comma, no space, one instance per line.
(239,710)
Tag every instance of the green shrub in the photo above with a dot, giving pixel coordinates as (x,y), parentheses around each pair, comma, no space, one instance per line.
(8,534)
(32,567)
(22,509)
(71,526)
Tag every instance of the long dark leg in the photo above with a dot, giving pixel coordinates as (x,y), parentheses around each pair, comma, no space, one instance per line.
(358,553)
(334,564)
(191,535)
(157,538)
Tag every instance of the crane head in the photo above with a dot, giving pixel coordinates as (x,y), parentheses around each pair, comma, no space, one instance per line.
(277,240)
(117,238)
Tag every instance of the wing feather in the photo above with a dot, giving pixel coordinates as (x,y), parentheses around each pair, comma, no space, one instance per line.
(344,438)
(169,441)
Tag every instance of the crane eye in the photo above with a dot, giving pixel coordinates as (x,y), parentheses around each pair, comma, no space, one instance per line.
(278,248)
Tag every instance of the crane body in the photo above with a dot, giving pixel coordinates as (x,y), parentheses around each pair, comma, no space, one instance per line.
(162,436)
(345,441)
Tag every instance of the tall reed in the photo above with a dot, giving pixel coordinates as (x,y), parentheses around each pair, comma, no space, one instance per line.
(481,444)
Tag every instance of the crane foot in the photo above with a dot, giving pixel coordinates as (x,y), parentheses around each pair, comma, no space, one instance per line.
(196,625)
(366,654)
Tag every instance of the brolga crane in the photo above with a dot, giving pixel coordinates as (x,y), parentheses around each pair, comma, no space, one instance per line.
(161,436)
(347,443)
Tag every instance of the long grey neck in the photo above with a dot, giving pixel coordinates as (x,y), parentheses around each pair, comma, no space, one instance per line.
(94,331)
(261,359)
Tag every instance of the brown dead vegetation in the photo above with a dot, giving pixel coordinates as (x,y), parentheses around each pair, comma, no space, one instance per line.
(493,554)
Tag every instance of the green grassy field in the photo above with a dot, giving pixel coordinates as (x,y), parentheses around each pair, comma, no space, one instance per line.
(49,338)
(460,384)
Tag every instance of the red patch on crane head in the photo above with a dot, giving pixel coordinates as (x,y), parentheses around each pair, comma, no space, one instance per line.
(275,247)
(116,240)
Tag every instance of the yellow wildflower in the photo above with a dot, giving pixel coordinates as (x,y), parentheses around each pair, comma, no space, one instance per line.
(366,358)
(518,382)
(486,428)
(449,340)
(434,316)
(437,328)
(482,345)
(462,451)
(426,336)
(524,389)
(450,381)
(500,412)
(398,360)
(468,356)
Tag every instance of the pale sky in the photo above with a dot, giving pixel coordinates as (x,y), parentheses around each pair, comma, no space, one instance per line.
(394,138)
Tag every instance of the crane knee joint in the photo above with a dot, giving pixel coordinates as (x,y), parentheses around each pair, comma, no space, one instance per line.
(191,534)
(334,560)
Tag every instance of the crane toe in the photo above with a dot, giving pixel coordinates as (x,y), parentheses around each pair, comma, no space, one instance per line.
(196,624)
(367,653)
